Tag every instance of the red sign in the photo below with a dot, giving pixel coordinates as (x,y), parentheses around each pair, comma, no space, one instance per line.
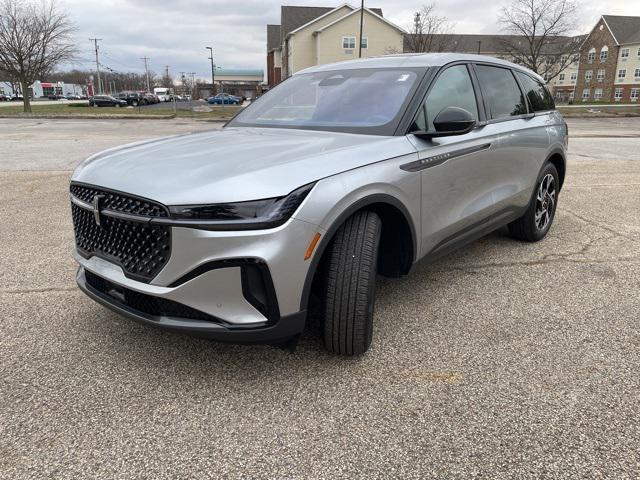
(47,84)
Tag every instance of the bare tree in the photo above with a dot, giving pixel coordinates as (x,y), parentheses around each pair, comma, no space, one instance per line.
(540,37)
(429,33)
(34,38)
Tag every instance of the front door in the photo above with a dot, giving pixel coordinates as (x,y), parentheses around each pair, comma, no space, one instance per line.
(457,172)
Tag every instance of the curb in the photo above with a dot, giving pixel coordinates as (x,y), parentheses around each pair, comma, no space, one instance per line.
(112,117)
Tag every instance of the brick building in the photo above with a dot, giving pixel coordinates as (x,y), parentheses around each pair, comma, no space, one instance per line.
(610,61)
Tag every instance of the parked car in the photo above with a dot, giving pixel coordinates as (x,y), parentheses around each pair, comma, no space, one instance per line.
(106,101)
(132,98)
(17,97)
(55,97)
(73,97)
(224,99)
(150,99)
(313,190)
(4,98)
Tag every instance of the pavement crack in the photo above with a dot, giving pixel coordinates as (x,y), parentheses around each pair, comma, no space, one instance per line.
(600,225)
(37,290)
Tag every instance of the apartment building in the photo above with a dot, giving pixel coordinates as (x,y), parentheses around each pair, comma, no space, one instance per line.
(308,36)
(610,61)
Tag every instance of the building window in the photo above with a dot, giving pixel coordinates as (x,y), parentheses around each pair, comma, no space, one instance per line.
(576,58)
(600,74)
(348,42)
(588,75)
(638,52)
(563,59)
(624,53)
(597,93)
(635,93)
(604,53)
(561,77)
(592,55)
(365,42)
(618,94)
(574,76)
(586,93)
(622,73)
(637,74)
(571,94)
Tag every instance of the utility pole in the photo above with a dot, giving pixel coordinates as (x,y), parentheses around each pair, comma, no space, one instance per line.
(193,85)
(213,73)
(479,46)
(182,80)
(361,22)
(146,69)
(95,43)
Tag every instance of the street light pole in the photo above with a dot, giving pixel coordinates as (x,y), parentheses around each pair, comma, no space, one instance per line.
(361,22)
(213,72)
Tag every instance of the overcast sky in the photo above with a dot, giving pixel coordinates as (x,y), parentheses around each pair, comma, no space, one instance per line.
(176,33)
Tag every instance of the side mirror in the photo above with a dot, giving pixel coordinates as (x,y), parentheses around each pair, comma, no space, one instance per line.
(450,121)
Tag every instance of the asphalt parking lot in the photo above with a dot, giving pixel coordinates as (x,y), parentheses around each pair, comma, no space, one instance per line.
(503,360)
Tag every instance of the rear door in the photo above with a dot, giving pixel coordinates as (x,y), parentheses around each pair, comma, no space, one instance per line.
(457,172)
(522,136)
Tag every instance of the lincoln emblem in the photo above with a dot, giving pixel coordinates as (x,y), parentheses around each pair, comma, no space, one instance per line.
(96,208)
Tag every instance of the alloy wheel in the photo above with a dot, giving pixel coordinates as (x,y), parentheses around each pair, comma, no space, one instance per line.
(545,202)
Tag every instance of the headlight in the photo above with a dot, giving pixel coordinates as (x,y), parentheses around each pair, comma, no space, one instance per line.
(256,214)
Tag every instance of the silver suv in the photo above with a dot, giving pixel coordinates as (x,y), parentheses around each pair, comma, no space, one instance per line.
(340,173)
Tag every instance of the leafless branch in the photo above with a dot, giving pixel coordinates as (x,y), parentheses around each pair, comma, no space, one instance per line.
(540,34)
(35,37)
(430,32)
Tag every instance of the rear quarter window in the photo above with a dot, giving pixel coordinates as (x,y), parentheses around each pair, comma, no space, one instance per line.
(501,92)
(537,94)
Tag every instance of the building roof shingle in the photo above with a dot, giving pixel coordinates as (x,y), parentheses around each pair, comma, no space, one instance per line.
(292,17)
(625,29)
(487,44)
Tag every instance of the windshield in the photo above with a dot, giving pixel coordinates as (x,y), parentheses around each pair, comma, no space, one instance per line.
(359,101)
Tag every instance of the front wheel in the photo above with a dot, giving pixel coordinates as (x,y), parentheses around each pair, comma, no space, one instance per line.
(349,300)
(536,222)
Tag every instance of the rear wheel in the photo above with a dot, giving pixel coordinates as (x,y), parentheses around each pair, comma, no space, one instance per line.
(350,284)
(537,220)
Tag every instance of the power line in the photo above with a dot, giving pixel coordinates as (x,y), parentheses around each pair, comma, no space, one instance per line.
(95,42)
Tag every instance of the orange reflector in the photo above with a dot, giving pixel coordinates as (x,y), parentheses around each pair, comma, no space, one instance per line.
(312,246)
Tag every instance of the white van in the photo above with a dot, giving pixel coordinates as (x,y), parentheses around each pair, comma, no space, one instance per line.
(162,93)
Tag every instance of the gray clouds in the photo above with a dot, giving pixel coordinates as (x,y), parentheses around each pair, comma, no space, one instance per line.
(175,33)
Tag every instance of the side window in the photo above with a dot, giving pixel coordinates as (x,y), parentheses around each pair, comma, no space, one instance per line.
(453,88)
(539,97)
(501,92)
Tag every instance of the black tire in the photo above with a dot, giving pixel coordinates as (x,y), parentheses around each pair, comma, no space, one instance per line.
(529,227)
(350,284)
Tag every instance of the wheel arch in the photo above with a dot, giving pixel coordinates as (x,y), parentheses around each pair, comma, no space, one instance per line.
(557,158)
(395,218)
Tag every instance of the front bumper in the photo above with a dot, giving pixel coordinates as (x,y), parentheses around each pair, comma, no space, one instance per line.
(277,331)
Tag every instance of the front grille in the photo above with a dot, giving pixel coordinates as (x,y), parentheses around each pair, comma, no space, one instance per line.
(141,249)
(147,304)
(119,202)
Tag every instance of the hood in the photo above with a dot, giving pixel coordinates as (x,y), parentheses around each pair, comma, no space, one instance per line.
(233,164)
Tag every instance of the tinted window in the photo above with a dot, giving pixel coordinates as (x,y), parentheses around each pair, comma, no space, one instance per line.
(453,88)
(502,95)
(539,97)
